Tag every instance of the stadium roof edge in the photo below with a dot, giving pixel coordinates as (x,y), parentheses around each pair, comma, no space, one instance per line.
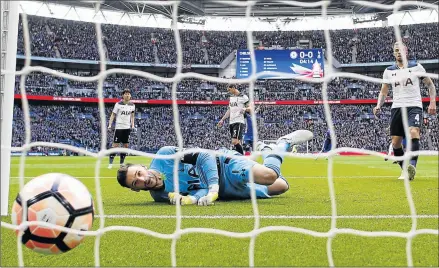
(280,22)
(263,8)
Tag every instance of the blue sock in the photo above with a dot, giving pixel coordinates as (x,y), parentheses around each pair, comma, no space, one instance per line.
(415,147)
(273,160)
(122,157)
(112,158)
(283,147)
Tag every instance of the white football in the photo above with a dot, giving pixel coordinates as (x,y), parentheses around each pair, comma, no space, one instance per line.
(59,199)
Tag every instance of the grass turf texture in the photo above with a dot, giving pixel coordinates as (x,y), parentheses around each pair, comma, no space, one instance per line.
(364,186)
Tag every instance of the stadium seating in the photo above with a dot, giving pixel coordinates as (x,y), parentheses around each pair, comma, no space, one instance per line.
(77,40)
(192,89)
(79,126)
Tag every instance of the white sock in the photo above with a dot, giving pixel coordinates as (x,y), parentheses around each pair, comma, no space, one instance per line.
(390,149)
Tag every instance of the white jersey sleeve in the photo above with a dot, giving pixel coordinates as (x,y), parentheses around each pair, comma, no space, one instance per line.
(245,100)
(421,69)
(116,108)
(386,77)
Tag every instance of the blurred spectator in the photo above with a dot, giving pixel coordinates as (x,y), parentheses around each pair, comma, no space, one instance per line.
(77,40)
(193,89)
(79,125)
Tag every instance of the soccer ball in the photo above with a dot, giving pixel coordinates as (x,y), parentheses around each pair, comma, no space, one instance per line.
(58,199)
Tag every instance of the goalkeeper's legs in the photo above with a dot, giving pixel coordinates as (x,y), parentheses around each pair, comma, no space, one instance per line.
(269,172)
(280,186)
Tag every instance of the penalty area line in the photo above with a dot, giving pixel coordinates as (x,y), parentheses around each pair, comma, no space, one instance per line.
(268,216)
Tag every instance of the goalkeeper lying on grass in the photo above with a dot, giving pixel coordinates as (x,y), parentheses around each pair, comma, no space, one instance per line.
(204,177)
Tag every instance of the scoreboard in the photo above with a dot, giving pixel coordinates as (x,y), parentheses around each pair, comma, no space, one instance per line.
(295,62)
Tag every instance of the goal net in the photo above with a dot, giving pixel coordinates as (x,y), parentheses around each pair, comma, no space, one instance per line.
(179,75)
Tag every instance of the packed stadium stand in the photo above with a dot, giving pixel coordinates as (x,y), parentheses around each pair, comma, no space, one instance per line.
(78,124)
(76,73)
(193,89)
(77,40)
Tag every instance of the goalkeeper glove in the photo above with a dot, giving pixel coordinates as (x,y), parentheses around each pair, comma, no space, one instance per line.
(183,200)
(210,198)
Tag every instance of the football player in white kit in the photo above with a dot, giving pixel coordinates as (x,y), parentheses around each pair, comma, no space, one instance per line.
(406,93)
(124,113)
(238,106)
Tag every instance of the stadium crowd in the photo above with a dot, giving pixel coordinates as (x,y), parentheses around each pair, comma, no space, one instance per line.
(193,89)
(77,40)
(79,125)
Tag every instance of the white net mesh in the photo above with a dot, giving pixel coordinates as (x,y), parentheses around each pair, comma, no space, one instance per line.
(330,234)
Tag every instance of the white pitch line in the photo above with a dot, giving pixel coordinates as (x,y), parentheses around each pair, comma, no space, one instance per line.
(73,176)
(354,177)
(287,177)
(268,217)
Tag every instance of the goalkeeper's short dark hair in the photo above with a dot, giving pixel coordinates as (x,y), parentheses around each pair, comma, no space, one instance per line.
(231,86)
(122,174)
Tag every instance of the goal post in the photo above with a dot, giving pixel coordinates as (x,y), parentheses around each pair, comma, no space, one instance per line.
(9,28)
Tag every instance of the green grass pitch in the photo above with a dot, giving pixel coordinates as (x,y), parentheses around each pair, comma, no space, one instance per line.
(364,185)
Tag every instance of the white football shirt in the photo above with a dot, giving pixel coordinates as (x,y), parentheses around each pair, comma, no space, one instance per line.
(236,104)
(405,85)
(123,114)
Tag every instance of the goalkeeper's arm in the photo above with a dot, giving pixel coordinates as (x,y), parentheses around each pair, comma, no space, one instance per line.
(190,199)
(207,166)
